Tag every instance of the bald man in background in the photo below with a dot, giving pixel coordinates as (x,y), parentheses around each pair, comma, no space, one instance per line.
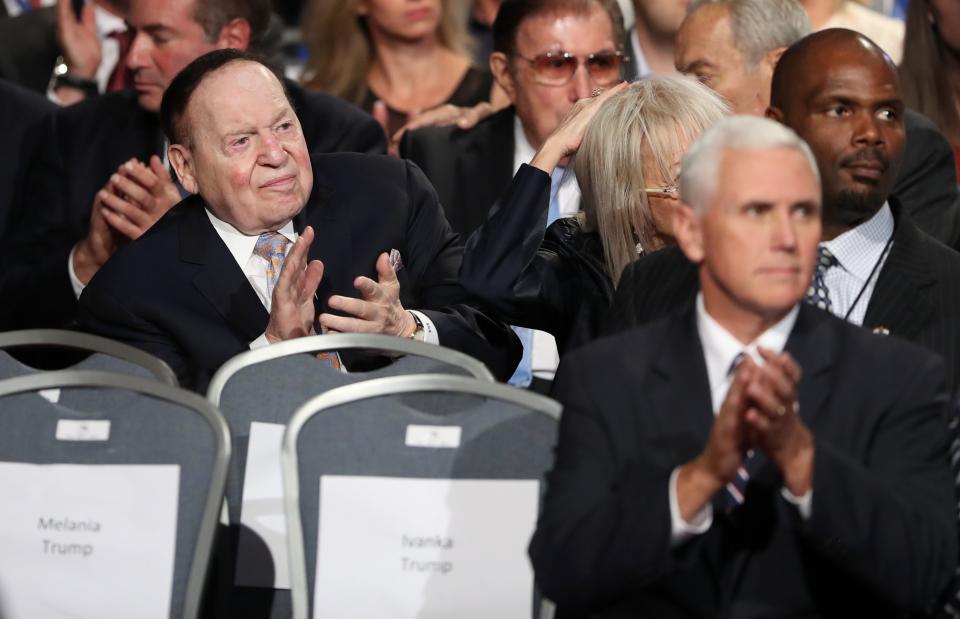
(889,275)
(733,46)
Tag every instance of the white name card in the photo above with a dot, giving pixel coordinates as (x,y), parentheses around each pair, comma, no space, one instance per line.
(261,512)
(87,541)
(424,548)
(83,429)
(433,436)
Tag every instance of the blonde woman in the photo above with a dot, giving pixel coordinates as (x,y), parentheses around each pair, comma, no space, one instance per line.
(629,141)
(393,58)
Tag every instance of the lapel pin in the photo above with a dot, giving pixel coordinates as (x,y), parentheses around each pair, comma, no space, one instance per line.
(881,330)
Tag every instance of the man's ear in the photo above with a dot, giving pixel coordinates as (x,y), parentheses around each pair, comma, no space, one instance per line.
(500,68)
(772,57)
(182,162)
(775,113)
(235,34)
(688,232)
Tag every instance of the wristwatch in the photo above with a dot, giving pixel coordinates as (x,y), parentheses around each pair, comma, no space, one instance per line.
(63,77)
(419,333)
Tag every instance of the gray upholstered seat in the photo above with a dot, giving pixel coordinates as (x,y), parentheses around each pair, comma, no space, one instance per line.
(160,424)
(267,385)
(360,429)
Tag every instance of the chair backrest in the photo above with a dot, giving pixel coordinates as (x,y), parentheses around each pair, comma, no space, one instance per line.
(369,430)
(167,444)
(267,385)
(113,356)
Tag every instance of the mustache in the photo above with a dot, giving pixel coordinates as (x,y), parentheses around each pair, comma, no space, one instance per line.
(868,153)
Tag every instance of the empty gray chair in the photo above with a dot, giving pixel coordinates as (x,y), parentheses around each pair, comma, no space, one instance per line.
(162,425)
(267,385)
(360,430)
(107,356)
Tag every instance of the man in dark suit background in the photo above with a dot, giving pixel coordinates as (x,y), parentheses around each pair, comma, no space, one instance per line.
(889,276)
(817,486)
(100,180)
(21,114)
(68,51)
(249,260)
(472,168)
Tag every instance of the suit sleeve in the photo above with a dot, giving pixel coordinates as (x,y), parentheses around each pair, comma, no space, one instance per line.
(37,244)
(892,521)
(506,264)
(101,313)
(605,524)
(434,255)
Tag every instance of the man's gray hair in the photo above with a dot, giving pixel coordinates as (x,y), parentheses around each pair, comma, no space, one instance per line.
(700,168)
(761,26)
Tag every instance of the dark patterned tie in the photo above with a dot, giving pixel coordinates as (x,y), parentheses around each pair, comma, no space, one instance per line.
(818,294)
(735,491)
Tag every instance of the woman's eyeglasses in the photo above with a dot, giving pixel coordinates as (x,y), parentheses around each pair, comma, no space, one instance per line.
(670,192)
(557,68)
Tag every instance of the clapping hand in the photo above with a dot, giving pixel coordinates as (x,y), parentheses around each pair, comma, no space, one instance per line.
(378,311)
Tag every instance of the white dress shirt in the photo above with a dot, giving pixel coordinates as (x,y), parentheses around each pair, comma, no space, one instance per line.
(859,252)
(106,23)
(720,350)
(639,60)
(545,356)
(254,267)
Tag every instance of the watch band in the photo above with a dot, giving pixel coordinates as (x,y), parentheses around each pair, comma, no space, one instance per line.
(419,333)
(63,77)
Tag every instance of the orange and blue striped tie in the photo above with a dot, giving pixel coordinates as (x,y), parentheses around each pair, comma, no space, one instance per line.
(272,247)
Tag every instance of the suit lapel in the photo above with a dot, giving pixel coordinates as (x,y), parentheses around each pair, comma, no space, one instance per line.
(812,345)
(681,369)
(219,277)
(679,392)
(485,168)
(900,302)
(332,242)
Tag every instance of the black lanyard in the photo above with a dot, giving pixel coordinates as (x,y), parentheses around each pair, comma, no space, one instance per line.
(873,271)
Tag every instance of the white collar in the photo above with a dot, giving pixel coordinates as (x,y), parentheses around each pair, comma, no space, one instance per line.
(523,152)
(641,68)
(858,249)
(241,245)
(720,347)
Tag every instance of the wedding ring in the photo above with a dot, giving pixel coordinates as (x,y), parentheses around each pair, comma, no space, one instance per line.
(596,92)
(781,410)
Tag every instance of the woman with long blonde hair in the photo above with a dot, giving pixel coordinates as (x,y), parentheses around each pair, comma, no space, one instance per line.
(393,58)
(628,143)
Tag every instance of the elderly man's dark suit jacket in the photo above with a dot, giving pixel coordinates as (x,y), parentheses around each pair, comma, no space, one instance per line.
(178,293)
(917,295)
(881,535)
(85,144)
(470,168)
(21,114)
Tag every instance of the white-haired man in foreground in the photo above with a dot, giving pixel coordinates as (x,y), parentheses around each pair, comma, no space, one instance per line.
(750,456)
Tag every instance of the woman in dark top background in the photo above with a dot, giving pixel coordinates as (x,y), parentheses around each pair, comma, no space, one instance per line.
(406,56)
(629,142)
(930,70)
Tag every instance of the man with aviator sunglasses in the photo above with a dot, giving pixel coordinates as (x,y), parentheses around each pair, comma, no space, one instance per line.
(548,54)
